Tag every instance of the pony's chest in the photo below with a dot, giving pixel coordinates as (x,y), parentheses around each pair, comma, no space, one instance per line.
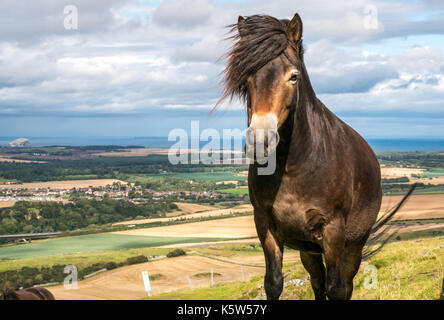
(294,214)
(288,210)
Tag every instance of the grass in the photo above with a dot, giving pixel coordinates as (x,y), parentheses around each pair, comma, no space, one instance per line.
(205,275)
(406,270)
(235,191)
(90,243)
(430,190)
(218,292)
(232,250)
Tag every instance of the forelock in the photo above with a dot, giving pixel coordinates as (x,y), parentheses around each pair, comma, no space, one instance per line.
(261,40)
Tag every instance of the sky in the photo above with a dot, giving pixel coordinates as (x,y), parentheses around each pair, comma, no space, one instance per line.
(143,68)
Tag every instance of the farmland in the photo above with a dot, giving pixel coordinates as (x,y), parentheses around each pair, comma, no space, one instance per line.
(92,243)
(184,215)
(6,204)
(134,203)
(236,191)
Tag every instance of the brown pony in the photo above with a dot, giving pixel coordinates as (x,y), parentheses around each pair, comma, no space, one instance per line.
(325,193)
(27,294)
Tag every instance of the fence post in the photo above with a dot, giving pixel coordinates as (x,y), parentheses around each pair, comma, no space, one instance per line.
(189,282)
(242,274)
(212,279)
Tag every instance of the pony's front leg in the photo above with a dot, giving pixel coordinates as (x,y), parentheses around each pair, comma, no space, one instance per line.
(273,251)
(333,246)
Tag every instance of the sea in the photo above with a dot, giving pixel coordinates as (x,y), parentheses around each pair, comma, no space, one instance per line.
(379,145)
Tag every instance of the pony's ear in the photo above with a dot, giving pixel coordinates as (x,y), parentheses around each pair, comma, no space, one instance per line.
(294,29)
(241,26)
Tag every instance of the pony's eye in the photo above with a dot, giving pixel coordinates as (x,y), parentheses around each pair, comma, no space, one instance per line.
(294,77)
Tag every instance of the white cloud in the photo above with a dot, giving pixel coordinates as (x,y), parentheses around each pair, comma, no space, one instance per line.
(183,13)
(132,57)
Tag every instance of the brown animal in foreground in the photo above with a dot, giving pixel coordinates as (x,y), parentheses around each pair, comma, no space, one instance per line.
(27,294)
(325,193)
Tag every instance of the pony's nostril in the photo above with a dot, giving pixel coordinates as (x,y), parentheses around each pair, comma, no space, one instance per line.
(273,138)
(249,135)
(278,138)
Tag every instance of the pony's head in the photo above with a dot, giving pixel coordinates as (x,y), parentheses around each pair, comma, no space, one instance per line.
(265,70)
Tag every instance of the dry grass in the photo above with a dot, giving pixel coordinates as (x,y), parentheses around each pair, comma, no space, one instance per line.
(6,204)
(181,215)
(240,227)
(6,159)
(417,207)
(432,181)
(192,207)
(391,173)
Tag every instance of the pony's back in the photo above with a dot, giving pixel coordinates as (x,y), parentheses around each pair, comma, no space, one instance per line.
(27,294)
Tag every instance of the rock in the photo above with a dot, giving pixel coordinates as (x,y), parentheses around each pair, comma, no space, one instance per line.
(428,251)
(296,282)
(293,282)
(20,143)
(261,296)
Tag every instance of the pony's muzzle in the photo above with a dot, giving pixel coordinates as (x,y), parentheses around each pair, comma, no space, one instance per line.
(261,143)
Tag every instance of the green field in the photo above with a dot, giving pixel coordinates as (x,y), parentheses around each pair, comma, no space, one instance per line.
(90,243)
(236,191)
(217,176)
(80,259)
(433,173)
(430,190)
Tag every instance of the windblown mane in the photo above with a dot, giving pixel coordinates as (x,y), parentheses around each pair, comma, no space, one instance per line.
(260,40)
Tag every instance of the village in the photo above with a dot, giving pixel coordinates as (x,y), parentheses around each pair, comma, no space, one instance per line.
(115,191)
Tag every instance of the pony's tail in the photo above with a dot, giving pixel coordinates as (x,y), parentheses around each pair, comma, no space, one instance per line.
(376,236)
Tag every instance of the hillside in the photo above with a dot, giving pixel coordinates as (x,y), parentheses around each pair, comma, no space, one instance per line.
(407,270)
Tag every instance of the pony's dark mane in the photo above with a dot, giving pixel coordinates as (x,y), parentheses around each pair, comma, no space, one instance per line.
(259,40)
